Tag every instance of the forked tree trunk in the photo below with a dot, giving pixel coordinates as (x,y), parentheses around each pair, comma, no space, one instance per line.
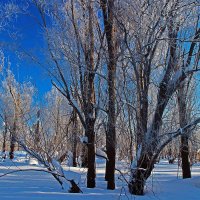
(140,174)
(136,185)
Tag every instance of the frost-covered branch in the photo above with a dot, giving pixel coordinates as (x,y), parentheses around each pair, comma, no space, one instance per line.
(172,135)
(53,167)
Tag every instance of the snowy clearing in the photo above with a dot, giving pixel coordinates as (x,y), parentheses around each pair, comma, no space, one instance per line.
(164,184)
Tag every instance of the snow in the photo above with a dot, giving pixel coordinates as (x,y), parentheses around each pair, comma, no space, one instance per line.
(57,166)
(101,154)
(175,78)
(33,161)
(84,139)
(164,184)
(69,160)
(139,150)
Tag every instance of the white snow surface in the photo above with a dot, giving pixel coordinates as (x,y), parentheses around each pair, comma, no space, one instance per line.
(101,154)
(164,184)
(33,161)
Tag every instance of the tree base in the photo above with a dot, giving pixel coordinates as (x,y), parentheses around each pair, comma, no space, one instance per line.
(136,188)
(74,187)
(91,184)
(111,185)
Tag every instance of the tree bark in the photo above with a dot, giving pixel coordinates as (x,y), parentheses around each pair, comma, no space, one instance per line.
(186,172)
(140,174)
(84,156)
(108,16)
(91,174)
(12,141)
(74,137)
(37,133)
(4,142)
(90,117)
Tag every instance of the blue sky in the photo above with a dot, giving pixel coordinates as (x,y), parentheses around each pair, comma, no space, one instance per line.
(29,40)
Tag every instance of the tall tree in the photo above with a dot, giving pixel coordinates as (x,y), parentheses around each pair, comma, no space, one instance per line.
(147,50)
(79,33)
(108,10)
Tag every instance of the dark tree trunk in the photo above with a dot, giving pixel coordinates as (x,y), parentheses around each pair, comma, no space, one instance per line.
(90,116)
(186,172)
(74,137)
(140,175)
(91,174)
(108,10)
(4,143)
(74,153)
(84,160)
(136,185)
(12,141)
(12,147)
(37,132)
(4,138)
(110,163)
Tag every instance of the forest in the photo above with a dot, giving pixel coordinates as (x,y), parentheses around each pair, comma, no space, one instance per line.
(119,101)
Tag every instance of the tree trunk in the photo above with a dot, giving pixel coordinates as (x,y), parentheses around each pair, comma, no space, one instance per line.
(110,163)
(74,137)
(91,174)
(84,156)
(186,172)
(140,174)
(12,142)
(137,183)
(4,142)
(37,133)
(108,10)
(90,116)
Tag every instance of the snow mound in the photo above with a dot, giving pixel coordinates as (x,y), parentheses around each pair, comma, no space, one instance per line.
(33,161)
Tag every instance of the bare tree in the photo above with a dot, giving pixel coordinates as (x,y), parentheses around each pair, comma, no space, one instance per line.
(82,57)
(151,43)
(108,10)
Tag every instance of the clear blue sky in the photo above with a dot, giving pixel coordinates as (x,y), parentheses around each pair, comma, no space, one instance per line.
(30,40)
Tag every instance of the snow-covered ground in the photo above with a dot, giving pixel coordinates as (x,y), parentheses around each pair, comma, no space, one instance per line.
(165,183)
